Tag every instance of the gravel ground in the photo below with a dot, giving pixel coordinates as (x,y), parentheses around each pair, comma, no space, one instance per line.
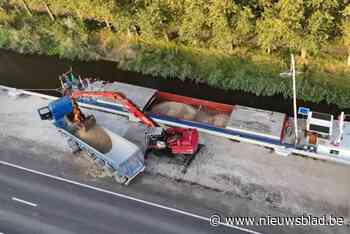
(299,184)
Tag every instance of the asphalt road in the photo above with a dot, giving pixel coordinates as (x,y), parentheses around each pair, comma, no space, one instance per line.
(31,203)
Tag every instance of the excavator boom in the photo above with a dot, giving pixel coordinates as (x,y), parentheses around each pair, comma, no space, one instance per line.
(116,96)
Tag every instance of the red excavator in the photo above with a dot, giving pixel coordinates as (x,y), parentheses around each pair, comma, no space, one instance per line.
(176,140)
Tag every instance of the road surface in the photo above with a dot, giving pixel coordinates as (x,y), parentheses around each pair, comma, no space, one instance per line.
(32,203)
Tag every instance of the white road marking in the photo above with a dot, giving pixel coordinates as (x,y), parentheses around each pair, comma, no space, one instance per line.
(125,197)
(24,202)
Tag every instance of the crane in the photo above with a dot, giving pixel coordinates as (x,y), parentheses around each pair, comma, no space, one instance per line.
(179,141)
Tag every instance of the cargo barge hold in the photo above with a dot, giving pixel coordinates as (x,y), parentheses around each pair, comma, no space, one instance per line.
(235,122)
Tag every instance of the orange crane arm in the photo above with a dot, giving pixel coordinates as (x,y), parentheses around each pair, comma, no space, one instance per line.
(121,98)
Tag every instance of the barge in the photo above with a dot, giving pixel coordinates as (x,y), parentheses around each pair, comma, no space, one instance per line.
(320,135)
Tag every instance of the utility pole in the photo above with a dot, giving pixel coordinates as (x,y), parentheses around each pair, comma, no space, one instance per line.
(294,100)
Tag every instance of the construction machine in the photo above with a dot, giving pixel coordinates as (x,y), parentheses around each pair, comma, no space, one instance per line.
(176,140)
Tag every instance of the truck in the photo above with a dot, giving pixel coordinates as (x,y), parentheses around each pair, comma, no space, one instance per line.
(117,156)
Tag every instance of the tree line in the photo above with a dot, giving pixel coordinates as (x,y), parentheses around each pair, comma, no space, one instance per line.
(300,26)
(235,45)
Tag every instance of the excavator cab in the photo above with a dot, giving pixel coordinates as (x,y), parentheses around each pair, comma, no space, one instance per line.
(178,141)
(155,138)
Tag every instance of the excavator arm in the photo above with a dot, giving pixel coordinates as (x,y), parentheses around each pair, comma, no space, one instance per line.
(121,98)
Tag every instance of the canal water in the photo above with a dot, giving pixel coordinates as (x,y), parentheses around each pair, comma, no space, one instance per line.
(41,72)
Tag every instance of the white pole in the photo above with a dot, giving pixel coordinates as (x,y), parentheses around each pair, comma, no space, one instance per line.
(294,101)
(341,128)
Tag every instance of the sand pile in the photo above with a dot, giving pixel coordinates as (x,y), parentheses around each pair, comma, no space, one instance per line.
(184,111)
(96,137)
(204,117)
(175,109)
(220,120)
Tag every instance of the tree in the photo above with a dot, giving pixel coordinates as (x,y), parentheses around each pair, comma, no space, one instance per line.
(346,31)
(244,28)
(318,24)
(154,18)
(280,25)
(291,13)
(218,22)
(194,28)
(270,31)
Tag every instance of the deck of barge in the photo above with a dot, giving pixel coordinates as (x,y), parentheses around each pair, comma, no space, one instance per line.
(141,96)
(255,121)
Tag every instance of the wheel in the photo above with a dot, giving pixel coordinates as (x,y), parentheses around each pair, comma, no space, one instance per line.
(74,147)
(120,179)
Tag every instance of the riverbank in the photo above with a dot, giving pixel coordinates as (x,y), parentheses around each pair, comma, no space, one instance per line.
(252,72)
(300,185)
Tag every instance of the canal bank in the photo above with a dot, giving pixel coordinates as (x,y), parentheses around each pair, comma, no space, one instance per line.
(298,184)
(41,72)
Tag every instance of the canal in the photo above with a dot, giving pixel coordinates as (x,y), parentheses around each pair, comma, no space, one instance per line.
(41,72)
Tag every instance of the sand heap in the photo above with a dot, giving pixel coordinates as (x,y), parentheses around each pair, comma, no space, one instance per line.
(96,137)
(175,109)
(188,112)
(220,120)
